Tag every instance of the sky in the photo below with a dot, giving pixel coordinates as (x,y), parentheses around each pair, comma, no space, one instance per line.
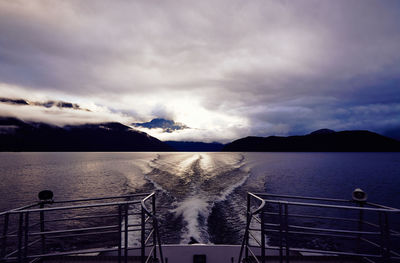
(225,69)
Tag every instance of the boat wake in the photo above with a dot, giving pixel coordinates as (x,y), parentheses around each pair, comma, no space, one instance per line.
(194,184)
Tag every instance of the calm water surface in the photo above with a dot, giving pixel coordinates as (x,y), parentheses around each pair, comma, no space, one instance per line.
(200,195)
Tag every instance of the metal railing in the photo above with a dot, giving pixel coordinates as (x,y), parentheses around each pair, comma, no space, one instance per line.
(297,225)
(154,233)
(116,224)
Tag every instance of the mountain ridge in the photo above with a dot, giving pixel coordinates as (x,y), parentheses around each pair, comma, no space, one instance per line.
(324,140)
(17,135)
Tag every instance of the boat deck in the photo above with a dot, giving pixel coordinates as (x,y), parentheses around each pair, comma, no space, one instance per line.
(110,259)
(89,259)
(215,253)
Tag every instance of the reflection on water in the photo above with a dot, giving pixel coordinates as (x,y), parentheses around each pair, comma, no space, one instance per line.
(200,195)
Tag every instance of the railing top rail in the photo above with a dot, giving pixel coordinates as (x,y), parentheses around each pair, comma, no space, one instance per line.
(393,210)
(305,197)
(146,210)
(101,198)
(73,207)
(261,206)
(378,208)
(27,207)
(18,209)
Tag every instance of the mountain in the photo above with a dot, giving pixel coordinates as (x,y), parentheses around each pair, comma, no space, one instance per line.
(14,101)
(46,104)
(17,135)
(322,131)
(166,125)
(319,141)
(393,133)
(195,146)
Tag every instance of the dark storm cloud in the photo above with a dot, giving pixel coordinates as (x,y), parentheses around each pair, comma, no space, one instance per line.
(255,67)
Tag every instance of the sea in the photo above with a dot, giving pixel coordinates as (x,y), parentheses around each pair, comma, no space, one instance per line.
(200,195)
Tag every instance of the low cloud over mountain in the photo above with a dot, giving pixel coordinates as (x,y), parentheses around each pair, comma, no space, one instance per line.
(46,104)
(166,125)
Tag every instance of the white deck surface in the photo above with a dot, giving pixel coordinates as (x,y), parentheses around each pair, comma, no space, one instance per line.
(185,253)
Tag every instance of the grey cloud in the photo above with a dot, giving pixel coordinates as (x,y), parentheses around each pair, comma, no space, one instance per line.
(285,66)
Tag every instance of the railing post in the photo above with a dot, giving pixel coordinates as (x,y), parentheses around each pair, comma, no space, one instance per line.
(42,229)
(4,238)
(360,226)
(153,207)
(387,236)
(280,234)
(119,233)
(126,234)
(143,236)
(20,230)
(26,234)
(383,223)
(286,224)
(159,242)
(248,217)
(262,237)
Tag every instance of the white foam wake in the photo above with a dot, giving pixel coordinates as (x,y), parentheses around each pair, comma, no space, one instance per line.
(232,188)
(197,181)
(191,209)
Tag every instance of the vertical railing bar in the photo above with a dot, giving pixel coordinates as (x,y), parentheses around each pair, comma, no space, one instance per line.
(360,227)
(126,234)
(246,233)
(42,229)
(280,234)
(153,199)
(387,236)
(142,235)
(26,234)
(159,242)
(4,239)
(262,237)
(248,224)
(20,225)
(119,233)
(382,248)
(286,224)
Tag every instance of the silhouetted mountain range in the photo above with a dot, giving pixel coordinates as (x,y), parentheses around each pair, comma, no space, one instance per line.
(17,135)
(319,141)
(195,146)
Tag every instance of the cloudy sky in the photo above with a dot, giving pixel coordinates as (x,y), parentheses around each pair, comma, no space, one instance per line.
(226,69)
